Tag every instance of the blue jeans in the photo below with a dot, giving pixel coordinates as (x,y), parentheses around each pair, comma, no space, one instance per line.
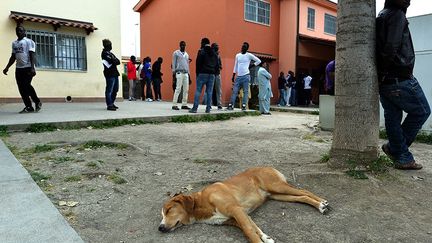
(111,89)
(282,95)
(244,82)
(407,96)
(208,81)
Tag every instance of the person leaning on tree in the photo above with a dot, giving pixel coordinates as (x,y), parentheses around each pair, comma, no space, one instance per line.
(399,90)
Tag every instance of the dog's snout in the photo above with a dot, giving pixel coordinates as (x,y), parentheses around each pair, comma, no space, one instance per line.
(162,228)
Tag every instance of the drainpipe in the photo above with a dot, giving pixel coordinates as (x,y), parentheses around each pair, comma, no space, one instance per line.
(297,37)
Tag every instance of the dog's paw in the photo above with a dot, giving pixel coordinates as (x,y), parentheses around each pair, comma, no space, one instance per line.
(266,239)
(324,207)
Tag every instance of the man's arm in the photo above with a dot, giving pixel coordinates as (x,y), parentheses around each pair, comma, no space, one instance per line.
(32,62)
(393,41)
(235,69)
(11,61)
(256,60)
(174,62)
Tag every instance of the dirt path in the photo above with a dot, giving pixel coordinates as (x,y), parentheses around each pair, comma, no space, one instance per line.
(121,179)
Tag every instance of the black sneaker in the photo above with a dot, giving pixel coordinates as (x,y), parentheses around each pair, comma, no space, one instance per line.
(115,106)
(207,111)
(192,111)
(174,107)
(243,107)
(27,110)
(219,107)
(38,106)
(185,107)
(111,108)
(230,107)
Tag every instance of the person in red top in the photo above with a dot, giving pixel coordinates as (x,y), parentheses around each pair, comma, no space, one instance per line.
(132,77)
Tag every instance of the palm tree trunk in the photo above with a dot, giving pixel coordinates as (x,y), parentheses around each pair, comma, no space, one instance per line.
(356,132)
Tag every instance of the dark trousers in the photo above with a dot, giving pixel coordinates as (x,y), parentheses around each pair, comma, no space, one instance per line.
(141,91)
(23,78)
(157,88)
(307,96)
(148,88)
(111,89)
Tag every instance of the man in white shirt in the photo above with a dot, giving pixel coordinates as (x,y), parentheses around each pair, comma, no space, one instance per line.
(180,67)
(23,52)
(307,89)
(241,68)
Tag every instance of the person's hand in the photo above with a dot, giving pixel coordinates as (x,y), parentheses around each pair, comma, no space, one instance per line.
(33,72)
(232,79)
(5,71)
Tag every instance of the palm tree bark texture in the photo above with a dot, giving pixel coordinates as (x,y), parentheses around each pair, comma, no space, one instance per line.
(356,129)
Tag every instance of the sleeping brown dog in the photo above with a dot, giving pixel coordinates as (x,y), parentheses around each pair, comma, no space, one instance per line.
(229,202)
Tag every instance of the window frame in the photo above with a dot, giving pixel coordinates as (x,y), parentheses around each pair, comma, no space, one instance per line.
(257,11)
(309,18)
(326,15)
(62,52)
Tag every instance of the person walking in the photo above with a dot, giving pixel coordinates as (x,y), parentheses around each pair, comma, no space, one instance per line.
(132,77)
(207,65)
(241,68)
(264,86)
(330,77)
(180,67)
(110,62)
(281,87)
(24,53)
(399,90)
(157,78)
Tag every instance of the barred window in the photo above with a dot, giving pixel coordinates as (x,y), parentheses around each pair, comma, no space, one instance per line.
(257,11)
(311,18)
(59,51)
(330,24)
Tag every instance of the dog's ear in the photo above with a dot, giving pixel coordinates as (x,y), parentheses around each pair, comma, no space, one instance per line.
(188,203)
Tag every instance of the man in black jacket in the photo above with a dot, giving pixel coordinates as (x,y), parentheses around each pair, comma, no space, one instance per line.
(206,68)
(157,78)
(110,63)
(399,90)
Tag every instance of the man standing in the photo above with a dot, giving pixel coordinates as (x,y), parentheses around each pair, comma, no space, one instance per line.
(307,80)
(180,67)
(23,52)
(241,68)
(217,87)
(110,62)
(399,90)
(206,68)
(157,78)
(290,81)
(148,78)
(264,85)
(329,78)
(282,88)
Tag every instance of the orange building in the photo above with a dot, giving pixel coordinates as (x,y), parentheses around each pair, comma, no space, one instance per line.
(296,35)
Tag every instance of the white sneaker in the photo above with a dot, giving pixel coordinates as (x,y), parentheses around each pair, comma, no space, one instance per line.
(149,100)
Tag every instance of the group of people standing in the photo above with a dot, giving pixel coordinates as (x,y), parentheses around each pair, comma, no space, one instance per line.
(149,76)
(293,90)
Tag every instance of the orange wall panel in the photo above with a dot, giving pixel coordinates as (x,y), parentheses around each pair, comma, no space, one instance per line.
(320,11)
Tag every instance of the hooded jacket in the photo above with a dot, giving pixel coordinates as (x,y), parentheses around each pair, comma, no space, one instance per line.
(394,47)
(207,61)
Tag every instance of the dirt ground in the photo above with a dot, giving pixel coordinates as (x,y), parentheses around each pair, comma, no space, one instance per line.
(120,187)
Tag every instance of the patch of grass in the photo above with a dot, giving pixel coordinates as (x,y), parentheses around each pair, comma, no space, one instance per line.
(354,172)
(38,176)
(62,159)
(116,178)
(95,144)
(211,118)
(118,123)
(316,112)
(92,164)
(325,158)
(42,148)
(41,127)
(380,165)
(200,161)
(3,131)
(73,178)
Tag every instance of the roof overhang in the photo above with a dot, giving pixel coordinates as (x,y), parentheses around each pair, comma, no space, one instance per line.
(55,22)
(310,39)
(266,56)
(139,7)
